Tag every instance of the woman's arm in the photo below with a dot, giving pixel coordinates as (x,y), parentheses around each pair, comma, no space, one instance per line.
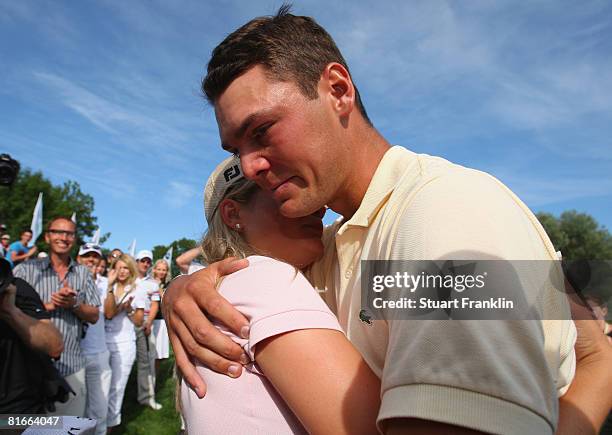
(323,379)
(587,403)
(110,306)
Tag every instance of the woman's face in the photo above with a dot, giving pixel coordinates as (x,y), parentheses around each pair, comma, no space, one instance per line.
(294,240)
(123,271)
(160,271)
(101,267)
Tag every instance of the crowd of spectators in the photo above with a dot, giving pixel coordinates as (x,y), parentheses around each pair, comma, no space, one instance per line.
(72,328)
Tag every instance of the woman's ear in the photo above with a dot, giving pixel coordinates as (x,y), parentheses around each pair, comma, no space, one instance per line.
(230,213)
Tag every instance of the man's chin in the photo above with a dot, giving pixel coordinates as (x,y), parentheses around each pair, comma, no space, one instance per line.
(294,209)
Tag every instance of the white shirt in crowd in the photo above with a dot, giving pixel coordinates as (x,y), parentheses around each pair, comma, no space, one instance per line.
(151,288)
(95,340)
(120,328)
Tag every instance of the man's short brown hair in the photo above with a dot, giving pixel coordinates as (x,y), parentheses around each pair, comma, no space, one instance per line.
(291,48)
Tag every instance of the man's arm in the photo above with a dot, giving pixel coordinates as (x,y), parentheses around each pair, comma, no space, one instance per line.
(152,314)
(87,313)
(191,333)
(184,260)
(38,334)
(20,257)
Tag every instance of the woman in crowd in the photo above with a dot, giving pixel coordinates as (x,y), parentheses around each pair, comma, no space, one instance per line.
(101,268)
(123,308)
(293,333)
(162,346)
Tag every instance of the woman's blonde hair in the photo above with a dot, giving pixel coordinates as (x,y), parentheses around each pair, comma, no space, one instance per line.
(161,260)
(220,241)
(131,264)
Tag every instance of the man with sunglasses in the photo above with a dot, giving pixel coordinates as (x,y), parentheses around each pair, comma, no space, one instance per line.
(145,341)
(69,293)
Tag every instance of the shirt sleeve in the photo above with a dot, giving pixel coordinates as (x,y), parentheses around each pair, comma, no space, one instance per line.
(28,301)
(276,298)
(496,376)
(140,297)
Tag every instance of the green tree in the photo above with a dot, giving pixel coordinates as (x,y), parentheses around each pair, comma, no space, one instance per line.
(17,204)
(578,236)
(179,246)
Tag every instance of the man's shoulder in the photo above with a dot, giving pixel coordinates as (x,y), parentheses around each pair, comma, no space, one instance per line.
(31,265)
(15,246)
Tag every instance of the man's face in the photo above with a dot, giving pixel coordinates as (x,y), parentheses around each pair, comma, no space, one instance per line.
(25,238)
(286,142)
(5,241)
(90,260)
(60,236)
(143,266)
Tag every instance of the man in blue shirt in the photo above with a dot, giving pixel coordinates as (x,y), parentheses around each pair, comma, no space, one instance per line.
(18,252)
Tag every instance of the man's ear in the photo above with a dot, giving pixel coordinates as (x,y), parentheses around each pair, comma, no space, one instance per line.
(230,212)
(336,83)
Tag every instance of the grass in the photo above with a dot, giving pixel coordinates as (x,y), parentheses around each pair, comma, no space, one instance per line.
(137,419)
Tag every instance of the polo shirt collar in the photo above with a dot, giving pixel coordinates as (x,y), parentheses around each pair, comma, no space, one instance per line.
(389,172)
(46,263)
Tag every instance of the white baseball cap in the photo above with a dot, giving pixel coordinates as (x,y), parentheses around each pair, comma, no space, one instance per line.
(145,253)
(90,247)
(225,175)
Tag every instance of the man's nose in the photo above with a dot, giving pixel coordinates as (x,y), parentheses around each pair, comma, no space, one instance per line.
(254,165)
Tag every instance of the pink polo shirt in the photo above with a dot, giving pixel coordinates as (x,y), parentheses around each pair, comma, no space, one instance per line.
(275,298)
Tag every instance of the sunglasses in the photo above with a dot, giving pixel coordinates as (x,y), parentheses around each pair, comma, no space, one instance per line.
(68,234)
(145,260)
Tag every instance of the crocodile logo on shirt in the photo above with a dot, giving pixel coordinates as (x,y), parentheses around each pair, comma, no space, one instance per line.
(365,317)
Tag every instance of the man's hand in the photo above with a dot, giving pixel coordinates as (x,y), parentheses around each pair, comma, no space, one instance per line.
(147,329)
(32,251)
(191,333)
(64,298)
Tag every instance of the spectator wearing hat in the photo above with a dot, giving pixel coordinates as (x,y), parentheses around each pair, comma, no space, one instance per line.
(98,371)
(69,293)
(5,241)
(18,251)
(145,341)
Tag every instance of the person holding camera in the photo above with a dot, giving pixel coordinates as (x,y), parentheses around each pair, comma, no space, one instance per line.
(28,341)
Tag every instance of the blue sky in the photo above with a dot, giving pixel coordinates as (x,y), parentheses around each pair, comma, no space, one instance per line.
(107,93)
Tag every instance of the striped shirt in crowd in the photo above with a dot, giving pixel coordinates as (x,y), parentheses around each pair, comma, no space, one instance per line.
(41,275)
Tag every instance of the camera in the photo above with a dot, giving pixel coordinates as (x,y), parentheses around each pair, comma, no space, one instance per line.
(9,168)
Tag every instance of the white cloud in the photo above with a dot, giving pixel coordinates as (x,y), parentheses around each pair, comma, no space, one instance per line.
(179,194)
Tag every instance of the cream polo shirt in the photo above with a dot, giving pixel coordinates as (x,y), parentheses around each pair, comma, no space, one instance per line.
(494,376)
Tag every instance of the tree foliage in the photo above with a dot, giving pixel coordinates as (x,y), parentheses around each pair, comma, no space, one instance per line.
(17,205)
(578,235)
(179,247)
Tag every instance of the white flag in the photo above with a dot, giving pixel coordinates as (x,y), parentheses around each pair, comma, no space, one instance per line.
(132,248)
(96,237)
(37,219)
(168,258)
(73,217)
